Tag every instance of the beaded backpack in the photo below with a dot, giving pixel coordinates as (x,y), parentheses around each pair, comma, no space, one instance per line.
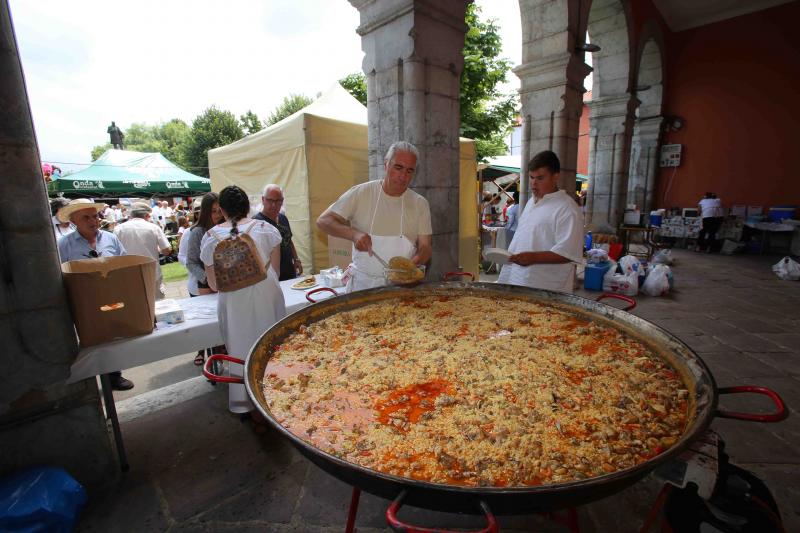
(237,263)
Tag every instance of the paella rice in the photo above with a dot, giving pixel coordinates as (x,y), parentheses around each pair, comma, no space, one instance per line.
(475,390)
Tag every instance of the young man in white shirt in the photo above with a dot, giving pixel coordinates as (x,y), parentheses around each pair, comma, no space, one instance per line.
(549,236)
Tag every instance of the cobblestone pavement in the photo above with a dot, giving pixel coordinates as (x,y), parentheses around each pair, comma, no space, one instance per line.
(196,467)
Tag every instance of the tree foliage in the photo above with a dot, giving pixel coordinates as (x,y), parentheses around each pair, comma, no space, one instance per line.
(356,84)
(250,123)
(291,104)
(486,113)
(167,138)
(211,129)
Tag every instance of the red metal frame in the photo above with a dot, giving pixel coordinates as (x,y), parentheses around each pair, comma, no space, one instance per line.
(777,416)
(627,299)
(400,526)
(321,289)
(449,275)
(351,514)
(211,376)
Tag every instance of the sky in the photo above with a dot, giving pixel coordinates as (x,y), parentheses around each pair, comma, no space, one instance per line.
(88,62)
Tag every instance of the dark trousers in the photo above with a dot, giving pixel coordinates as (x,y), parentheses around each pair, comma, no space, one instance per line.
(708,234)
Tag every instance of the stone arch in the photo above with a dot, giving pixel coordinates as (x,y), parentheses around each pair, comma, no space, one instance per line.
(611,109)
(646,138)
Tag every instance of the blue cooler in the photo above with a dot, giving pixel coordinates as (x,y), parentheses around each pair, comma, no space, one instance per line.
(656,220)
(594,274)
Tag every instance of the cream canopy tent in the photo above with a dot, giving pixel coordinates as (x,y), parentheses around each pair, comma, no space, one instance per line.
(315,155)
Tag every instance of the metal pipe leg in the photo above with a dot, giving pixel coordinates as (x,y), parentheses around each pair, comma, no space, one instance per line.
(111,412)
(351,514)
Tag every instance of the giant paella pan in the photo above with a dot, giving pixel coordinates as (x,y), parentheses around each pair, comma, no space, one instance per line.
(469,396)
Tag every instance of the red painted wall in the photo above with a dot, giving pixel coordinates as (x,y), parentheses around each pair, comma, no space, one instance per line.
(583,137)
(736,84)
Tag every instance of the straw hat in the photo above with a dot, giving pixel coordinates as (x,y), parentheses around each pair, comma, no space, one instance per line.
(78,205)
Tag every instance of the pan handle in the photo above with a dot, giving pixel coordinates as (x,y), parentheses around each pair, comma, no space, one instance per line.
(321,289)
(449,275)
(627,299)
(402,527)
(211,376)
(777,416)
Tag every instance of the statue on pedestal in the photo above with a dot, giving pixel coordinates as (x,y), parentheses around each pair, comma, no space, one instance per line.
(116,136)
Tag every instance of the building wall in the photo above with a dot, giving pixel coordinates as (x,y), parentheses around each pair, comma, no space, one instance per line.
(583,137)
(735,84)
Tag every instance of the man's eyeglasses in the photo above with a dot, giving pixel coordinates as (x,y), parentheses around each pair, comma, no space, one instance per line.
(270,200)
(93,253)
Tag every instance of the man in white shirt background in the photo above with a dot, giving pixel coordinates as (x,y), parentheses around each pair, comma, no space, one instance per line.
(712,213)
(549,236)
(140,236)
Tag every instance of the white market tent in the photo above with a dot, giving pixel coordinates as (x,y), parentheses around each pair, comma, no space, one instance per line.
(315,155)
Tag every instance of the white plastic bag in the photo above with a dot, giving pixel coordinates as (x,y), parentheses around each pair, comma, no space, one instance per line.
(630,264)
(627,284)
(657,281)
(663,257)
(596,255)
(787,268)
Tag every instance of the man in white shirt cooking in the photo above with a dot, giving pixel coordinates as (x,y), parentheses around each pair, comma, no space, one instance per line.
(382,216)
(549,234)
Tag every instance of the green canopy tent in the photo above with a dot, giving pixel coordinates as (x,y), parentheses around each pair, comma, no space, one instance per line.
(127,173)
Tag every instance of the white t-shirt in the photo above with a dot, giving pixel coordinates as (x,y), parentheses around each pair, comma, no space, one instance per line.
(553,224)
(140,237)
(710,207)
(358,205)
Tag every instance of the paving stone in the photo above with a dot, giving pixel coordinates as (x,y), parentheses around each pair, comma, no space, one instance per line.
(748,342)
(717,328)
(789,341)
(754,325)
(788,363)
(739,365)
(132,505)
(272,499)
(704,343)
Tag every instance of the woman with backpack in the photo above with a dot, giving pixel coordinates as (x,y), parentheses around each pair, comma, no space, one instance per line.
(242,259)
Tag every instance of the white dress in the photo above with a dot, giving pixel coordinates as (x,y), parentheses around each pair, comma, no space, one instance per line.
(244,315)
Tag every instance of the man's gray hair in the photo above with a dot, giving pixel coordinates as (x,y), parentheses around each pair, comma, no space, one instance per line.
(269,186)
(401,146)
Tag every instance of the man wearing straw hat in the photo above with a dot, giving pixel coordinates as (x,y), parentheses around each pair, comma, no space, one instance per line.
(86,242)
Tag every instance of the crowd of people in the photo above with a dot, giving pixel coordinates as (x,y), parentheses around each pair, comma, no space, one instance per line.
(382,218)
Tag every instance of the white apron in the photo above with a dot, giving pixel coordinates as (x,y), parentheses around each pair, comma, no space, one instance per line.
(554,276)
(365,271)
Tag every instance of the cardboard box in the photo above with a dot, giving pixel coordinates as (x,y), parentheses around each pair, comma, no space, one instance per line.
(111,297)
(340,252)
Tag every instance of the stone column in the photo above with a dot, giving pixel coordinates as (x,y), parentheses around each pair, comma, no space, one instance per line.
(644,163)
(413,61)
(608,164)
(551,77)
(42,421)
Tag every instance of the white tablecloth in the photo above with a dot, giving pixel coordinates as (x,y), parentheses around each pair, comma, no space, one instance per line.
(199,330)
